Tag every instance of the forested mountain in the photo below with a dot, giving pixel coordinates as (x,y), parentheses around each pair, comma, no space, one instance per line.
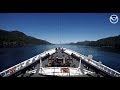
(17,38)
(81,43)
(112,42)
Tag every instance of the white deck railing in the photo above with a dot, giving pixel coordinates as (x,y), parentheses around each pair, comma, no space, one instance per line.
(25,63)
(94,63)
(59,71)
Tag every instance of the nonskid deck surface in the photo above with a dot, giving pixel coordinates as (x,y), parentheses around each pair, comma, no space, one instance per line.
(61,55)
(68,61)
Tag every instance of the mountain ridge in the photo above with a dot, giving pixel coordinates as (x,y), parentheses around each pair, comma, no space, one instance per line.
(113,42)
(17,38)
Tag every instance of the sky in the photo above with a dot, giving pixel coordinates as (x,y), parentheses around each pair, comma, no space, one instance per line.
(61,27)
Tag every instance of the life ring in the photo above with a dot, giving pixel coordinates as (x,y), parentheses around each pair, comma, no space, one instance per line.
(65,70)
(12,70)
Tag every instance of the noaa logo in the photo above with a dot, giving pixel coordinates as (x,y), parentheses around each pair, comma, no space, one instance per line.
(114,19)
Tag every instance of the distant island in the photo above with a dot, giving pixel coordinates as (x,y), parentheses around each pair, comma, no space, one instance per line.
(111,42)
(17,39)
(80,43)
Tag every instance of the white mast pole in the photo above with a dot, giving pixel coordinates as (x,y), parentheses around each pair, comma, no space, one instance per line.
(80,63)
(40,63)
(79,66)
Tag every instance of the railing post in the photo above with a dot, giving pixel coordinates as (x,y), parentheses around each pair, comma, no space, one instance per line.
(40,66)
(40,63)
(80,63)
(111,72)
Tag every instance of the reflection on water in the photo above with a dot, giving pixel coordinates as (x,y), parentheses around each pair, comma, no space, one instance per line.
(12,56)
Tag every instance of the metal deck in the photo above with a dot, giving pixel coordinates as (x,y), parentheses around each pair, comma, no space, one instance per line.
(58,54)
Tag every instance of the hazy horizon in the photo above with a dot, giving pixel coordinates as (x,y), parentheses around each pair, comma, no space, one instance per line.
(61,27)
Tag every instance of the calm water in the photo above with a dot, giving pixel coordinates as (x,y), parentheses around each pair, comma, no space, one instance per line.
(12,56)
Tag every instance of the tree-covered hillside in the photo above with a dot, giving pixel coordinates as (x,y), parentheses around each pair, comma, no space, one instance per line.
(17,38)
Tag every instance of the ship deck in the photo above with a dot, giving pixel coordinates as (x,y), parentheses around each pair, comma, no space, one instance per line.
(59,54)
